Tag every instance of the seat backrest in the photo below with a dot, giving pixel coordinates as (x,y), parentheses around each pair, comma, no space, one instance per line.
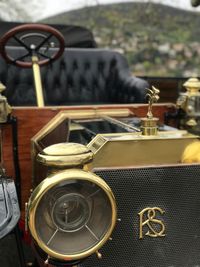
(80,76)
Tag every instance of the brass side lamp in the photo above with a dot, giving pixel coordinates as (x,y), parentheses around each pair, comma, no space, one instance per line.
(5,108)
(189,102)
(72,212)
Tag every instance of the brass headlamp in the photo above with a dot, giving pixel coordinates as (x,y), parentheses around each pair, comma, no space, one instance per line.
(72,212)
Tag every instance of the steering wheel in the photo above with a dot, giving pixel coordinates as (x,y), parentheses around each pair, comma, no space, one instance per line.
(23,34)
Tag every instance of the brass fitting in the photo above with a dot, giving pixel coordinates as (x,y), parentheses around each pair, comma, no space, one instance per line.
(149,124)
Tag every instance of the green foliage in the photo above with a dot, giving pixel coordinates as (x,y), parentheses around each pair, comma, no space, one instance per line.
(157,39)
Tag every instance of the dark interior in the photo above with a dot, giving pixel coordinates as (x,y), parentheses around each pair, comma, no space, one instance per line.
(80,76)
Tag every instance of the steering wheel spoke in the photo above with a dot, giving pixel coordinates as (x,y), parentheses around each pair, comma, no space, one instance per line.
(21,58)
(37,31)
(22,43)
(43,42)
(43,55)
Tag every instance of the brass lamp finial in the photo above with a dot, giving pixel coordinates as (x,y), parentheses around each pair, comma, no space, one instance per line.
(192,86)
(149,124)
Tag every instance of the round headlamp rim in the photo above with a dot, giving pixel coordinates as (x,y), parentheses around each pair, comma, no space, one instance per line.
(51,181)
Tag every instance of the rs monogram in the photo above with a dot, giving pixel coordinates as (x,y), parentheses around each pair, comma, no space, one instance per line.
(149,225)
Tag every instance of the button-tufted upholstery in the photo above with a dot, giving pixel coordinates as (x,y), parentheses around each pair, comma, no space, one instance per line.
(80,76)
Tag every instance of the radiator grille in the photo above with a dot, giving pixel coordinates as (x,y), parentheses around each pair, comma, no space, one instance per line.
(175,189)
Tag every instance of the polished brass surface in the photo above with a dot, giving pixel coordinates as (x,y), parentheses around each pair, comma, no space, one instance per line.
(135,149)
(37,81)
(99,255)
(65,149)
(65,155)
(5,108)
(189,101)
(76,114)
(149,124)
(153,226)
(152,95)
(2,87)
(50,182)
(191,122)
(191,153)
(64,117)
(192,85)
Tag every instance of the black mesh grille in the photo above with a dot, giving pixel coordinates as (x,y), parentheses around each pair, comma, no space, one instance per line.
(174,189)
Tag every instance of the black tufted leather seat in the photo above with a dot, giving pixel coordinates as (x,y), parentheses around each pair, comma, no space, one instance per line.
(80,76)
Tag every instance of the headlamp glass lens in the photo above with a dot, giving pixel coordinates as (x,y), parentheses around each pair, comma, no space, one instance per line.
(73,216)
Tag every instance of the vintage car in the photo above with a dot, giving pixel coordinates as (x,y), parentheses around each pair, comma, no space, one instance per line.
(99,165)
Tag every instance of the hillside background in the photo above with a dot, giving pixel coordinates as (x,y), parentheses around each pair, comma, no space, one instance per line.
(157,40)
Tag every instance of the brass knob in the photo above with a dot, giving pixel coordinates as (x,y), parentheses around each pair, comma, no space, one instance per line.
(99,255)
